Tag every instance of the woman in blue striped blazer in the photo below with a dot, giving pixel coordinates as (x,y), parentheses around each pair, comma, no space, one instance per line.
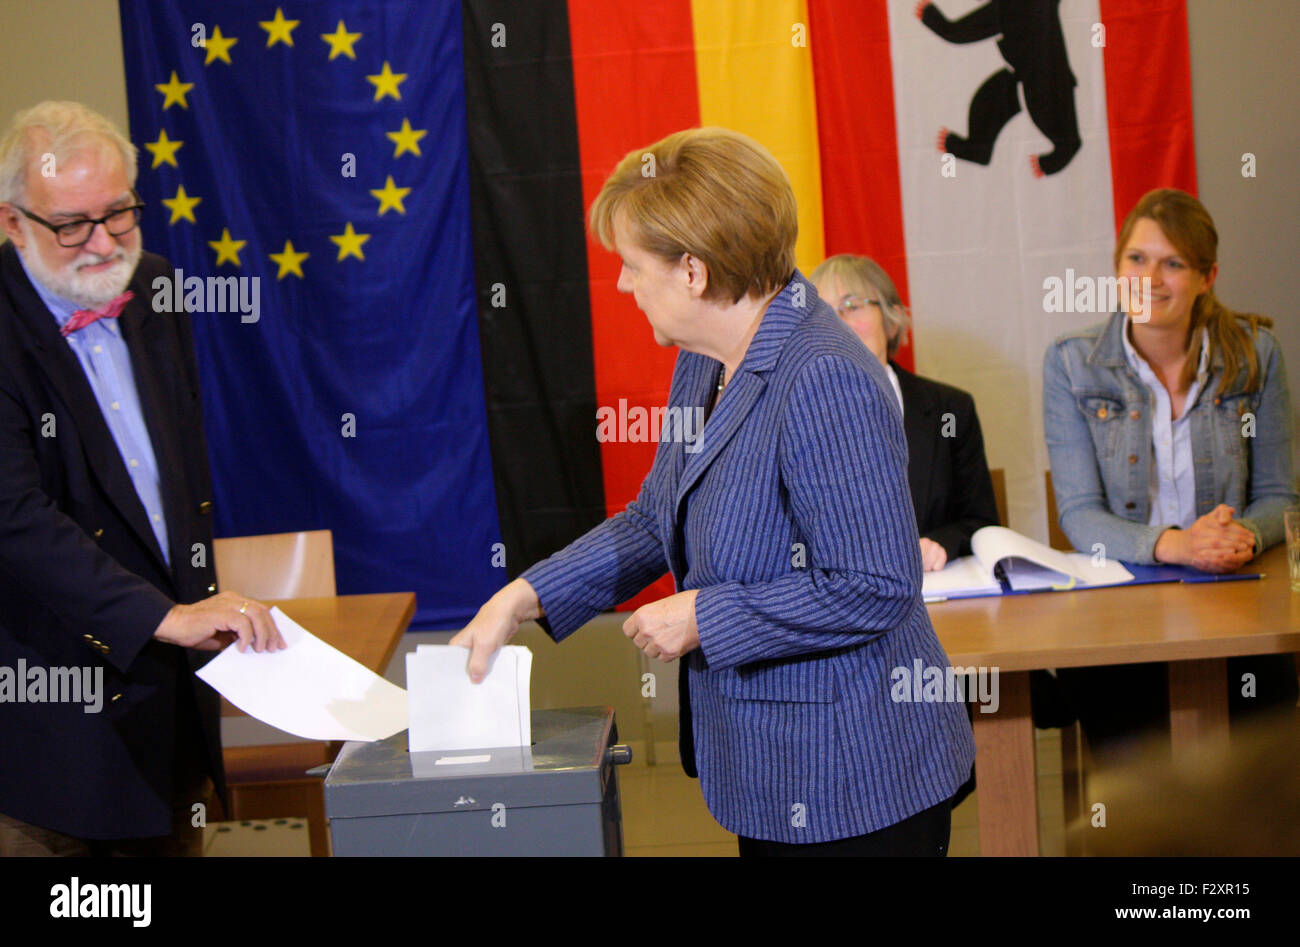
(785,520)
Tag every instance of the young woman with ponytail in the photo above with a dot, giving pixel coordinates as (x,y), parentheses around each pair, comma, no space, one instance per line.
(1169,429)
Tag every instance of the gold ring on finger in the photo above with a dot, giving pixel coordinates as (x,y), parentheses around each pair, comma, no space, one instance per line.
(242,608)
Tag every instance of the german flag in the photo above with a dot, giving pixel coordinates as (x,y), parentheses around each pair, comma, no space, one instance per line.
(557,94)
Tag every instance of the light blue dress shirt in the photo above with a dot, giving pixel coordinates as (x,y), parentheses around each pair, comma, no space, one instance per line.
(106,361)
(1173,476)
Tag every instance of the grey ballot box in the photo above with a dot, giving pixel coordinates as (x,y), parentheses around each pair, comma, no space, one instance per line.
(557,797)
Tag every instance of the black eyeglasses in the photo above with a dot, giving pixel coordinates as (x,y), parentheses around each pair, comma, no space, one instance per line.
(76,233)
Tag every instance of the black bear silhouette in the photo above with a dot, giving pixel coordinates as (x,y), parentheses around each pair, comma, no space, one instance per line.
(1033,47)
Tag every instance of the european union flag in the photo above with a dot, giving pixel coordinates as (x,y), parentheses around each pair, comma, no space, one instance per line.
(320,148)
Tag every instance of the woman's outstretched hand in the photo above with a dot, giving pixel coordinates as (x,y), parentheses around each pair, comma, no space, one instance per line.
(495,624)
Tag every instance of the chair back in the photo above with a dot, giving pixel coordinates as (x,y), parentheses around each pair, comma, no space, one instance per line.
(277,565)
(999,477)
(1056,537)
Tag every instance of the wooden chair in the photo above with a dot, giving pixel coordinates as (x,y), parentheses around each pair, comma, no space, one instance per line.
(1056,537)
(271,781)
(278,565)
(999,477)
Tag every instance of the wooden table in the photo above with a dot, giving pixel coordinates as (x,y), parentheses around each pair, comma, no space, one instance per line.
(1195,627)
(367,628)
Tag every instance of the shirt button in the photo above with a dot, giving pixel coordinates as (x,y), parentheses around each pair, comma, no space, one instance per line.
(1135,414)
(1132,458)
(156,517)
(98,349)
(1101,412)
(134,462)
(116,406)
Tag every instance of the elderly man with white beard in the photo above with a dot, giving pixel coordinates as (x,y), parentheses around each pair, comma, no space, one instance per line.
(105,512)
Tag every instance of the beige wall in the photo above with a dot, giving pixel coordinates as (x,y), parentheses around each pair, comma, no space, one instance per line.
(1245,90)
(62,49)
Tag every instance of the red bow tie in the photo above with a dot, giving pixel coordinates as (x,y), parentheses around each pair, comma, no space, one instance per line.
(84,317)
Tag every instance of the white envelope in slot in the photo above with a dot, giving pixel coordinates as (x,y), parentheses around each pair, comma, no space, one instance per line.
(449,712)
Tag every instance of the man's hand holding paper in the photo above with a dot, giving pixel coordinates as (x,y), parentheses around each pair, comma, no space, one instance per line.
(214,623)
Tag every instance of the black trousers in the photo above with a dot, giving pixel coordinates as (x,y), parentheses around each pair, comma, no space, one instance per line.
(924,834)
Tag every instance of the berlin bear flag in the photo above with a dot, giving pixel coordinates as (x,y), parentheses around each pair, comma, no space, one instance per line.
(440,347)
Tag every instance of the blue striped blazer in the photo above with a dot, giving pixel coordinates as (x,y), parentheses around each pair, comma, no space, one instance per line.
(792,517)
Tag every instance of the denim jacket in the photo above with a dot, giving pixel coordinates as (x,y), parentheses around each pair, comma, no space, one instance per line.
(1097,419)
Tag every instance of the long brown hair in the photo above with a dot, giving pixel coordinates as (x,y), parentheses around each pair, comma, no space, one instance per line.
(1187,225)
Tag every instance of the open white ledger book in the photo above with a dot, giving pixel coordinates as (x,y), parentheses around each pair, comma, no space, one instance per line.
(1027,565)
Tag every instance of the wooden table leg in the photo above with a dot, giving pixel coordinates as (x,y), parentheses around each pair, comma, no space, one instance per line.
(1198,707)
(1073,787)
(1005,780)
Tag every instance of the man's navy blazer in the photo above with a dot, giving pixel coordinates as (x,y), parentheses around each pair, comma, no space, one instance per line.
(83,582)
(793,520)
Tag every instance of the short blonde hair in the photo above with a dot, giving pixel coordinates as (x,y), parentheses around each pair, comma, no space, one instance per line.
(862,276)
(62,129)
(715,194)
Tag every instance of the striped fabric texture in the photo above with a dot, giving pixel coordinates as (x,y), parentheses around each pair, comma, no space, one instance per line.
(791,515)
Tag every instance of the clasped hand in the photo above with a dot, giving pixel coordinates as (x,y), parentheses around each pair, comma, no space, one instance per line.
(1214,543)
(665,629)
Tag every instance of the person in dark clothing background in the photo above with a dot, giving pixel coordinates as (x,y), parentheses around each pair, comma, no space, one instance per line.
(947,472)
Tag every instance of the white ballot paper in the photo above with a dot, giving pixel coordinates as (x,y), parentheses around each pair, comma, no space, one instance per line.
(309,689)
(450,712)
